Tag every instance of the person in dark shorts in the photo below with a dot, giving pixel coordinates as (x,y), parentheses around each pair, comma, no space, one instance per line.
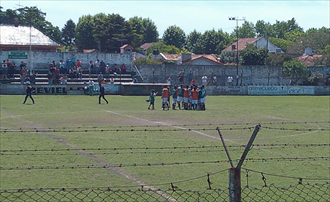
(102,94)
(28,92)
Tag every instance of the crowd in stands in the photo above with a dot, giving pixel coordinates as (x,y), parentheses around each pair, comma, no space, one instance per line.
(61,72)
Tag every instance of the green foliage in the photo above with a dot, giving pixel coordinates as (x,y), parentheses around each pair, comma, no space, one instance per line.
(146,61)
(144,29)
(281,43)
(68,33)
(326,49)
(323,61)
(175,36)
(194,42)
(228,56)
(277,60)
(84,33)
(163,48)
(315,79)
(317,40)
(295,69)
(251,55)
(247,30)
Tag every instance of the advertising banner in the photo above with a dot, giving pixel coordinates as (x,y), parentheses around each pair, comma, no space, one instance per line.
(267,90)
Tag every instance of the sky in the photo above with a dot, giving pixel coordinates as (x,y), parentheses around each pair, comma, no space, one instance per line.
(189,15)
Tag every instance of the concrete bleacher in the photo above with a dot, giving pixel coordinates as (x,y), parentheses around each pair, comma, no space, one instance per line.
(41,78)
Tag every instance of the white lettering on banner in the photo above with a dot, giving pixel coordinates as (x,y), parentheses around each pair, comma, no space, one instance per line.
(267,90)
(309,90)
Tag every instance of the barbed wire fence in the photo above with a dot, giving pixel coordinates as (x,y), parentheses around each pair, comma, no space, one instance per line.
(305,189)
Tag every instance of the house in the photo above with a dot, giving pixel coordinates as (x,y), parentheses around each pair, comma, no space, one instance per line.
(145,46)
(308,57)
(206,59)
(22,38)
(126,49)
(188,59)
(260,42)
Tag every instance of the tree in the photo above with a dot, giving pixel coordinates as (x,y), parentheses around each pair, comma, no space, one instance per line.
(281,43)
(84,33)
(295,69)
(163,48)
(68,33)
(316,40)
(175,36)
(263,29)
(251,55)
(194,42)
(150,31)
(246,30)
(144,29)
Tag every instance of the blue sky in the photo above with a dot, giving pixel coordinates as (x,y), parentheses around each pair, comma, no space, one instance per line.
(189,15)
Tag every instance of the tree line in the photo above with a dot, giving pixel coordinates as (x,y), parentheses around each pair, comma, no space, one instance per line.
(107,32)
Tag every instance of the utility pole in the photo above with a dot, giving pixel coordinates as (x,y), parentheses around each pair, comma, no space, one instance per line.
(236,19)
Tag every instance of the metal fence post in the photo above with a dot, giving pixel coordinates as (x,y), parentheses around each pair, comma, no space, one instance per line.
(234,185)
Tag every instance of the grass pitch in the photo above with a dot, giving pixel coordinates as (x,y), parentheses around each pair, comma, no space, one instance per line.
(72,141)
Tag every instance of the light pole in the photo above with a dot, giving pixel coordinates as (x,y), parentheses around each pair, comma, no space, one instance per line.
(237,19)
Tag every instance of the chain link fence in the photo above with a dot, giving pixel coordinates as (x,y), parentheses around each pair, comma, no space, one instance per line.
(299,192)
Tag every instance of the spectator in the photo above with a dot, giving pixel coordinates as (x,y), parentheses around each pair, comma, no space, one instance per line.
(107,72)
(97,66)
(100,78)
(50,77)
(78,63)
(169,81)
(190,75)
(102,67)
(79,72)
(33,77)
(230,80)
(68,65)
(115,68)
(180,77)
(57,75)
(61,64)
(73,60)
(91,87)
(214,79)
(91,67)
(4,69)
(123,68)
(204,79)
(12,69)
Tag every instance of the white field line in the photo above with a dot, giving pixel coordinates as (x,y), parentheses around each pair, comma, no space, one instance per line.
(115,170)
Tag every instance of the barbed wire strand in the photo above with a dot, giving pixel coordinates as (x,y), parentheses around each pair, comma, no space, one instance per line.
(152,164)
(185,125)
(163,148)
(284,176)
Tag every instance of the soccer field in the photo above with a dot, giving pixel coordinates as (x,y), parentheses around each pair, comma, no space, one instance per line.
(72,141)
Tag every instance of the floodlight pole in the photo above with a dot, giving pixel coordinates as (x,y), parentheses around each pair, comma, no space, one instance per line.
(236,19)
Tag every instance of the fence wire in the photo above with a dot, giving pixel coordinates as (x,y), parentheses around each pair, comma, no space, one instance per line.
(299,192)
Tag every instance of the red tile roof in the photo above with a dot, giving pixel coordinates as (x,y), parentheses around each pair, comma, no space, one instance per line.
(308,60)
(241,43)
(172,56)
(146,45)
(126,45)
(211,57)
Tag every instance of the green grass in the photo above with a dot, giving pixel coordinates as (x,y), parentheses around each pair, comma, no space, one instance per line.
(124,129)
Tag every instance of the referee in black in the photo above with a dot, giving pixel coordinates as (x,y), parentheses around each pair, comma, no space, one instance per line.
(102,94)
(28,92)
